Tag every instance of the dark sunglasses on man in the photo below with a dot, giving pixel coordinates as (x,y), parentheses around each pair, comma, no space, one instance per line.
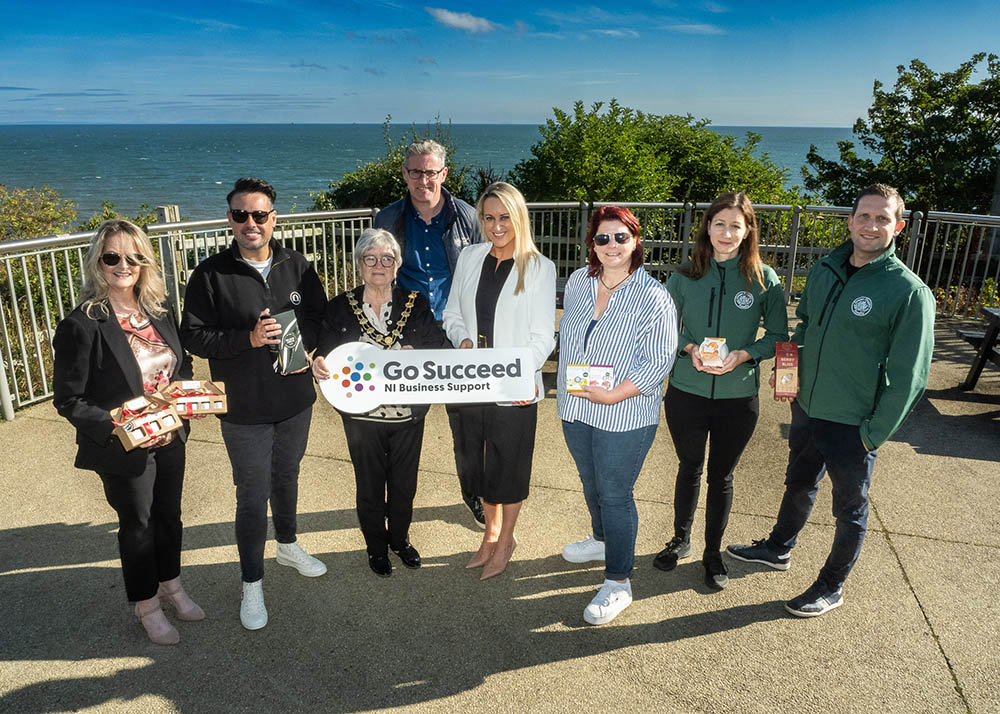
(240,216)
(111,259)
(605,238)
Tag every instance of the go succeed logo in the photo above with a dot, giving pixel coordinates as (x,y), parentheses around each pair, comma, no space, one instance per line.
(365,377)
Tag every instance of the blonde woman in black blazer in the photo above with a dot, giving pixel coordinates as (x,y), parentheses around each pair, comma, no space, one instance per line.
(119,343)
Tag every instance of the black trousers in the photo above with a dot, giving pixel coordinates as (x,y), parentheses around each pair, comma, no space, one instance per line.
(691,419)
(386,456)
(464,479)
(149,520)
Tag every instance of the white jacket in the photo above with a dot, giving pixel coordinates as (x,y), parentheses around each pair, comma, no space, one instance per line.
(525,320)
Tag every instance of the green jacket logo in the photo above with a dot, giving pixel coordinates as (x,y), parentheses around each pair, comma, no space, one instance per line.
(861,306)
(743,300)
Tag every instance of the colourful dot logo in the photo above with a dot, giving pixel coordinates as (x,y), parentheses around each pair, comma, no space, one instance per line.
(354,376)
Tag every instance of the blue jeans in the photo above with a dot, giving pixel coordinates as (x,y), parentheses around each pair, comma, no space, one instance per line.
(609,464)
(817,446)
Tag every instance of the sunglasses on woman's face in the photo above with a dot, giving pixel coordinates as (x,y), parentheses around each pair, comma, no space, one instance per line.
(240,216)
(605,238)
(111,259)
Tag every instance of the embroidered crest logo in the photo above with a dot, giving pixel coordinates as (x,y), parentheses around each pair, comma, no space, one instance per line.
(295,298)
(743,300)
(861,306)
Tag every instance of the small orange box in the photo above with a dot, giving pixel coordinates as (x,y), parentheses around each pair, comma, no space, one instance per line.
(194,397)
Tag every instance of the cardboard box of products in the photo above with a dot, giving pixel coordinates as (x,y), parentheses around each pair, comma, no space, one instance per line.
(290,355)
(196,398)
(786,369)
(713,351)
(579,376)
(138,421)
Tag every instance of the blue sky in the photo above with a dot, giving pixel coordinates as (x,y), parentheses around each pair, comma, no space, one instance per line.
(248,61)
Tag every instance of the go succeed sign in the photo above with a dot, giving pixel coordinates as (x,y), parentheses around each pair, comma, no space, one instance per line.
(365,377)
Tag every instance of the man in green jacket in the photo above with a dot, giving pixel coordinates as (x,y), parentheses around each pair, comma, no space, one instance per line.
(865,341)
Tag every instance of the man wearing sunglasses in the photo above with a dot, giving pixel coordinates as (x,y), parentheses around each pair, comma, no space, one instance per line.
(227,307)
(432,227)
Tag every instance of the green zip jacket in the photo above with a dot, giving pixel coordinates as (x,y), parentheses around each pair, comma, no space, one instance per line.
(721,305)
(865,343)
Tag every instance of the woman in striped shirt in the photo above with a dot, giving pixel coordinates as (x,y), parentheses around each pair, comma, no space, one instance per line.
(618,338)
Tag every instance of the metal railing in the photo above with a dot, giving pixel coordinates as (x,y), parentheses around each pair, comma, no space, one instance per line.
(957,255)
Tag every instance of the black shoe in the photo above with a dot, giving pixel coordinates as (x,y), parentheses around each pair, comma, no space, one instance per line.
(667,558)
(475,505)
(380,565)
(759,552)
(716,573)
(817,600)
(409,555)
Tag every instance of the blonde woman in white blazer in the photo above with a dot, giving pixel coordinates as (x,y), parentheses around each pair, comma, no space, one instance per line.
(503,294)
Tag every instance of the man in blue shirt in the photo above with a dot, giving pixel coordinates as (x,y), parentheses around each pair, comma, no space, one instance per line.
(432,228)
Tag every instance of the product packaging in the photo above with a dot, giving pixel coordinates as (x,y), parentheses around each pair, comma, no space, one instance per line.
(786,369)
(196,398)
(138,421)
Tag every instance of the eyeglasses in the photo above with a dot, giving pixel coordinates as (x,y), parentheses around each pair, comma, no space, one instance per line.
(605,238)
(259,217)
(424,173)
(371,261)
(112,259)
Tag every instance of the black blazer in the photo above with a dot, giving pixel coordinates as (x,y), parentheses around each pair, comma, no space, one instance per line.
(340,325)
(95,372)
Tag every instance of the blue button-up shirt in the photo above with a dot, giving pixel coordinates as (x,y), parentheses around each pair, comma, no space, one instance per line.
(425,263)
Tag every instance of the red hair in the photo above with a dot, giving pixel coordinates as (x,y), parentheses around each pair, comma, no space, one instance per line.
(613,213)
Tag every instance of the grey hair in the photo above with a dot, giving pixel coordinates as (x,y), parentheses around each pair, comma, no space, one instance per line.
(372,239)
(422,147)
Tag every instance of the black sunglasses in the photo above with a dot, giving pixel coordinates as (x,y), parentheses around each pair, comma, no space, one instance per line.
(112,259)
(605,238)
(240,216)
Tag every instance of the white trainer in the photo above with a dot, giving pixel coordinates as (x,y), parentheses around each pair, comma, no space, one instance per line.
(611,599)
(292,555)
(584,550)
(253,614)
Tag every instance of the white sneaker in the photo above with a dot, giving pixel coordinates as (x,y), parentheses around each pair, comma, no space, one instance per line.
(253,614)
(584,550)
(611,599)
(292,555)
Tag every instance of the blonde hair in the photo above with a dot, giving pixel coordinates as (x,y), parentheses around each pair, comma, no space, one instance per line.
(525,250)
(149,289)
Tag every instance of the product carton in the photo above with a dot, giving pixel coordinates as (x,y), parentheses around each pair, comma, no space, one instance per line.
(579,376)
(195,397)
(139,420)
(289,355)
(713,351)
(786,369)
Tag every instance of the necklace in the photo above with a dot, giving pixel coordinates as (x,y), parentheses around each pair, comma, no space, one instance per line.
(135,317)
(611,288)
(366,327)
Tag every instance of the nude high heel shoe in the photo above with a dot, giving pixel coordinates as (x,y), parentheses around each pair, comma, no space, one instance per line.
(498,562)
(158,629)
(171,591)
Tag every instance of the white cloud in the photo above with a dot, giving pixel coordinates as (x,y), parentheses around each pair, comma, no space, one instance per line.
(461,20)
(617,33)
(697,28)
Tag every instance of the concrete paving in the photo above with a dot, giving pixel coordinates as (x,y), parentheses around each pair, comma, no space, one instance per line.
(918,631)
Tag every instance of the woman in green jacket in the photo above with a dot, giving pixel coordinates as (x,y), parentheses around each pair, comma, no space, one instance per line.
(725,291)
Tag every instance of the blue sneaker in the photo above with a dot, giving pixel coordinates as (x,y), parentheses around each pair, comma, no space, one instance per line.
(759,552)
(815,601)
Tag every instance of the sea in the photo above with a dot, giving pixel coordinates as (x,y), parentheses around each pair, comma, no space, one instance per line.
(194,166)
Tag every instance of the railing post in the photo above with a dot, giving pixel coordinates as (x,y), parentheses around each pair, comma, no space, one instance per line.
(581,229)
(793,247)
(916,220)
(168,256)
(687,219)
(6,401)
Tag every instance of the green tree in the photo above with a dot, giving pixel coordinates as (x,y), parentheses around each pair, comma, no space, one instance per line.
(935,137)
(380,182)
(33,212)
(146,216)
(622,154)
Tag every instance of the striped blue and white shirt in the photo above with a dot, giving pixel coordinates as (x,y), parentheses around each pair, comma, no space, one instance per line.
(637,335)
